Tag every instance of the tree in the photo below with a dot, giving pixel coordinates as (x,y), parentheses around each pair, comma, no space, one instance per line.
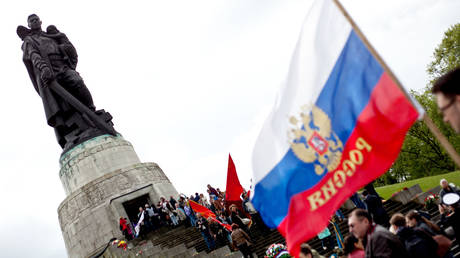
(421,154)
(447,54)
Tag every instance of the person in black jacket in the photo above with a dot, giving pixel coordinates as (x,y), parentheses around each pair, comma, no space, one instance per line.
(371,189)
(450,216)
(172,201)
(418,243)
(375,208)
(203,225)
(235,217)
(217,232)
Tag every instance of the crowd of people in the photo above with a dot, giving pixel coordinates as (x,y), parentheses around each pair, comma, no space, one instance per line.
(173,212)
(373,232)
(409,235)
(368,200)
(412,234)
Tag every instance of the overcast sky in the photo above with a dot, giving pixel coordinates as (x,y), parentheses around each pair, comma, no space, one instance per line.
(187,82)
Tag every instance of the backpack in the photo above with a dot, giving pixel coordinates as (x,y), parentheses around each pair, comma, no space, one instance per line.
(444,244)
(420,244)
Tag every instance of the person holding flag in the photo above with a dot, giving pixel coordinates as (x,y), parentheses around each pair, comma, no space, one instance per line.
(140,227)
(234,190)
(338,124)
(236,219)
(203,226)
(203,214)
(207,213)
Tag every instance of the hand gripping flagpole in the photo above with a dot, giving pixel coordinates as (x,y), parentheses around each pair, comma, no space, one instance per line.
(437,133)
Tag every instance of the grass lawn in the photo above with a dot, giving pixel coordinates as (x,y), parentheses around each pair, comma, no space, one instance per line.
(425,183)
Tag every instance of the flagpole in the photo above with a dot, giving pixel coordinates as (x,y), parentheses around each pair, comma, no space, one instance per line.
(338,234)
(442,139)
(435,130)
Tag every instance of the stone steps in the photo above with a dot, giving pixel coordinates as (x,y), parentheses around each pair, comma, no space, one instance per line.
(181,242)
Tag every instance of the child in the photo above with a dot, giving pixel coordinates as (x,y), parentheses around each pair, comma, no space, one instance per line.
(67,49)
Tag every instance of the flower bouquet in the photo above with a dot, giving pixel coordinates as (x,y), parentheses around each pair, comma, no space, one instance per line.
(120,244)
(431,201)
(277,251)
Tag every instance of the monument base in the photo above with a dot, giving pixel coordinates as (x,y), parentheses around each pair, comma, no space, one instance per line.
(89,215)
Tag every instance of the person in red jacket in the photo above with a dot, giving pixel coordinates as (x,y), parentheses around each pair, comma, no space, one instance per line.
(124,228)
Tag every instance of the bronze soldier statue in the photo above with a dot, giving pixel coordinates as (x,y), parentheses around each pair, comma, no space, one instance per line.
(51,60)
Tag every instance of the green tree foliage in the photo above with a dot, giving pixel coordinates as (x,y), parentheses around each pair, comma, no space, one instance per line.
(447,54)
(422,155)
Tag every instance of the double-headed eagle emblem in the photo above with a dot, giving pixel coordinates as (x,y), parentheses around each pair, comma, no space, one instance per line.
(313,141)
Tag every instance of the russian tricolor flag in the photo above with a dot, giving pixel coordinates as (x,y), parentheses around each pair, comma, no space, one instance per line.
(338,124)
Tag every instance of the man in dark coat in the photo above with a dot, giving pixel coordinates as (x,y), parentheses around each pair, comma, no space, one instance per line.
(379,242)
(371,189)
(450,216)
(172,201)
(203,225)
(375,208)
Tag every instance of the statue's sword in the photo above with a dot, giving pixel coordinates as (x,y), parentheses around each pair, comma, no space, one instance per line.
(64,94)
(98,122)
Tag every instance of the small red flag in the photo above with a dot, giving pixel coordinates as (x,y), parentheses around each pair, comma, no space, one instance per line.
(207,213)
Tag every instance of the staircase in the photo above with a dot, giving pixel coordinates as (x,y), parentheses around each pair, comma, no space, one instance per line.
(187,241)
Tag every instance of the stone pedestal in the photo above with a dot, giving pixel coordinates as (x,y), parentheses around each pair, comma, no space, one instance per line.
(420,198)
(98,176)
(407,195)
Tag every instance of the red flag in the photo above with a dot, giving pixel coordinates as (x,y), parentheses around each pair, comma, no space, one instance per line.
(234,189)
(207,213)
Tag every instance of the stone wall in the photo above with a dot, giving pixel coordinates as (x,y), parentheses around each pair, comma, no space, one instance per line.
(420,198)
(93,159)
(407,195)
(97,184)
